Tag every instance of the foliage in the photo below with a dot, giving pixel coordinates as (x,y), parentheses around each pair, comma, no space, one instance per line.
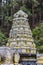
(26,10)
(3,39)
(40,49)
(9,18)
(38,36)
(36,32)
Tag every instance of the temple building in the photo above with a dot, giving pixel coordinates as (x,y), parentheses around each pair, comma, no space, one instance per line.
(21,47)
(21,40)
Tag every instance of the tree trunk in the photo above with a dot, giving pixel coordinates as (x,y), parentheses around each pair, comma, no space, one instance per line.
(40,15)
(33,20)
(40,12)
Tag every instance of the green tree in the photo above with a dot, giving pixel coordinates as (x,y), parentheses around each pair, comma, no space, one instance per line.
(36,33)
(38,36)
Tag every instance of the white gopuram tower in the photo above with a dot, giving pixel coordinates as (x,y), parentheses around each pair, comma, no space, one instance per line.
(20,37)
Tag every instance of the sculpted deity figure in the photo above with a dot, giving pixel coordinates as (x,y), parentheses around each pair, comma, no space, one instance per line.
(8,57)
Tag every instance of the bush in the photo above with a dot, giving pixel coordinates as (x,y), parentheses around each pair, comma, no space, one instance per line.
(3,39)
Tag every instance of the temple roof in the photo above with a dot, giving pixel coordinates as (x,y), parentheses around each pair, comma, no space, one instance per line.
(20,13)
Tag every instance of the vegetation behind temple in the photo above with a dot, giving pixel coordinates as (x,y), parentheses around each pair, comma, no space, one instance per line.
(34,9)
(38,36)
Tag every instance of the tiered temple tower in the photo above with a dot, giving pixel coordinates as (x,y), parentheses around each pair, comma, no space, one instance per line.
(20,38)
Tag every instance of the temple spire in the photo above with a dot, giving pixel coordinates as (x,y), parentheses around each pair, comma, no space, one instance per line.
(20,36)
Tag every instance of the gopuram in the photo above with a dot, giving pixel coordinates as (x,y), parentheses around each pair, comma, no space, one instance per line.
(20,48)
